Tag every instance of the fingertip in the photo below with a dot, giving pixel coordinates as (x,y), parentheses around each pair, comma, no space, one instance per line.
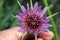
(51,34)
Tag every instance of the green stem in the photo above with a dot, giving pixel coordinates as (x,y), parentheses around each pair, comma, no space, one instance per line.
(36,37)
(31,4)
(24,35)
(19,3)
(53,23)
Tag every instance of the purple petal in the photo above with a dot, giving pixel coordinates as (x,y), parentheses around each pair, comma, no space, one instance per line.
(38,11)
(27,6)
(36,33)
(31,11)
(30,31)
(22,23)
(46,25)
(44,19)
(35,7)
(47,20)
(28,9)
(22,15)
(23,9)
(43,11)
(22,29)
(45,29)
(19,17)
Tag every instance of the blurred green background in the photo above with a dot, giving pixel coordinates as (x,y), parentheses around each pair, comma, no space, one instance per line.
(11,7)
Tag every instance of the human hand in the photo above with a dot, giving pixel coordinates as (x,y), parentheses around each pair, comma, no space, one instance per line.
(14,34)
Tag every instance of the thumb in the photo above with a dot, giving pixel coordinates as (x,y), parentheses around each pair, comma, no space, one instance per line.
(12,33)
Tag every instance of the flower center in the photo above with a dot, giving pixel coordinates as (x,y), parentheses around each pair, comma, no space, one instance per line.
(32,21)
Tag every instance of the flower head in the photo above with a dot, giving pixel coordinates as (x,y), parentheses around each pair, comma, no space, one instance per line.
(33,20)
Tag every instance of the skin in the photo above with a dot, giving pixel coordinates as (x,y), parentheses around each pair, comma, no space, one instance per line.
(14,34)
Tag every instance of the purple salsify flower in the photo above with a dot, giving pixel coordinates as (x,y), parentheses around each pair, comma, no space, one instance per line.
(33,20)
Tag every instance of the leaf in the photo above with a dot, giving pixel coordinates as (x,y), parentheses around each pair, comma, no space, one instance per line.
(31,4)
(19,3)
(13,16)
(52,15)
(50,6)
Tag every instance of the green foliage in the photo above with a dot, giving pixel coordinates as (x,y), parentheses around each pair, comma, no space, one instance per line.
(52,1)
